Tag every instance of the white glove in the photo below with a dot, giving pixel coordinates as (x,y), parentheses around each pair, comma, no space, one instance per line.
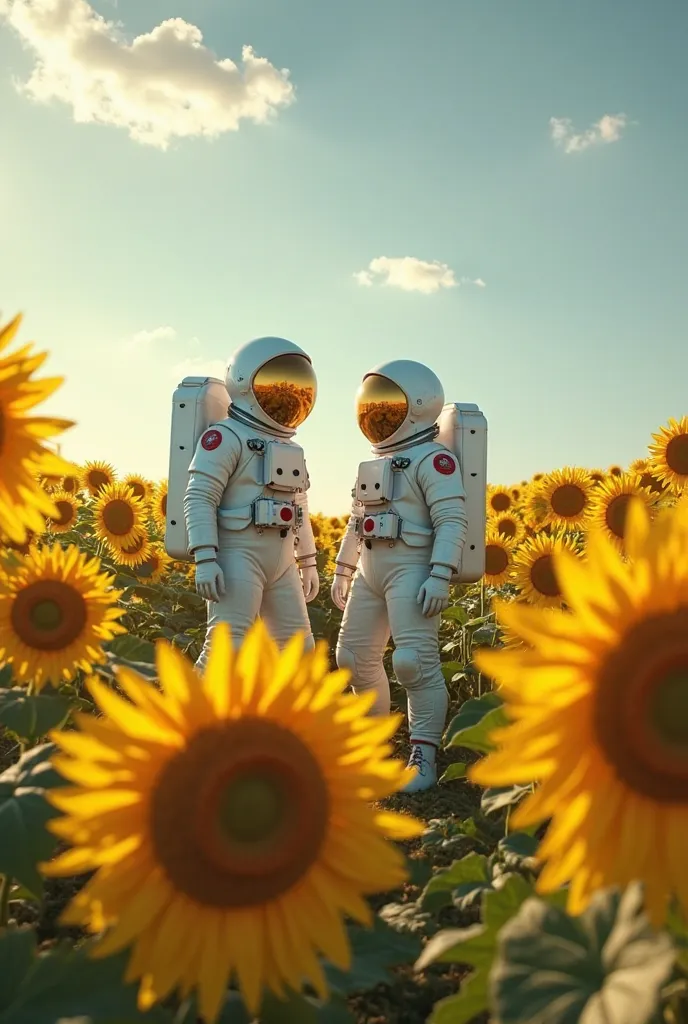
(310,580)
(434,596)
(210,581)
(339,591)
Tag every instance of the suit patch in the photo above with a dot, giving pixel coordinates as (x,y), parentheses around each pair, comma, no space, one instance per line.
(211,439)
(444,464)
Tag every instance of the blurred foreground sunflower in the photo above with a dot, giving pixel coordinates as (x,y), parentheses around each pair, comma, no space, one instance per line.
(118,516)
(97,475)
(561,500)
(609,506)
(669,455)
(56,611)
(499,558)
(229,819)
(68,510)
(533,570)
(599,716)
(24,455)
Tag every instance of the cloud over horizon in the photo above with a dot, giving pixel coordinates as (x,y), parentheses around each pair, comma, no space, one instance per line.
(163,85)
(607,129)
(411,275)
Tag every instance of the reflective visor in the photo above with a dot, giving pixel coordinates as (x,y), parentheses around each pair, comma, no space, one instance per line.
(381,407)
(285,388)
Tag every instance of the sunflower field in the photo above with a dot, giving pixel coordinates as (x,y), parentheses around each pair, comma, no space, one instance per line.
(155,865)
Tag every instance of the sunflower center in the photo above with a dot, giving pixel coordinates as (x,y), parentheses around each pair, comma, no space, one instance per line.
(507,527)
(48,615)
(70,484)
(677,454)
(135,547)
(98,479)
(651,483)
(500,502)
(66,513)
(138,489)
(240,815)
(496,559)
(641,707)
(163,504)
(615,514)
(568,500)
(543,578)
(148,567)
(118,517)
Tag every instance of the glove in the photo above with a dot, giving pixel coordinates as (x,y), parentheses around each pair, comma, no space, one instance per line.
(434,596)
(339,591)
(210,581)
(310,581)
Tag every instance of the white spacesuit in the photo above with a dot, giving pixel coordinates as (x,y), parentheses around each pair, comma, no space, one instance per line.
(403,543)
(245,505)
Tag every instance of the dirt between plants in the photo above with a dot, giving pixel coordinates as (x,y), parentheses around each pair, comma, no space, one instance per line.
(409,996)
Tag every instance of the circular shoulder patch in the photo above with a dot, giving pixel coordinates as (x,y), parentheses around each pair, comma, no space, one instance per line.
(444,464)
(211,439)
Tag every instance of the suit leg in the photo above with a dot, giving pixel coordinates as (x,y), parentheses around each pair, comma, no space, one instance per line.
(362,640)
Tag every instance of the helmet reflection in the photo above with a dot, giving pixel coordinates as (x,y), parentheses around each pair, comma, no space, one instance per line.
(381,408)
(285,388)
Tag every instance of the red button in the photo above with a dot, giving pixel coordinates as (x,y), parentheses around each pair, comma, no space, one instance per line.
(285,514)
(369,525)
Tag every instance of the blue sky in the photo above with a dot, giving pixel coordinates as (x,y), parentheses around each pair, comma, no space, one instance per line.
(414,130)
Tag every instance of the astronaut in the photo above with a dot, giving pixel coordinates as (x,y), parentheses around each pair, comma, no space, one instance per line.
(403,543)
(246,506)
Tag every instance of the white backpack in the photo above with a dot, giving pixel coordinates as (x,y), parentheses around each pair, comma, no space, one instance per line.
(196,403)
(463,430)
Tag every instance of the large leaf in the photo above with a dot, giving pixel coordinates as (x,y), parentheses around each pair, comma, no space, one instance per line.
(64,983)
(455,613)
(471,712)
(17,950)
(32,716)
(605,967)
(478,737)
(24,812)
(475,946)
(505,796)
(374,950)
(463,876)
(457,770)
(132,648)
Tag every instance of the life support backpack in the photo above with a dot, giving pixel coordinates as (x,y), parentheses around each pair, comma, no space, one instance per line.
(463,430)
(196,403)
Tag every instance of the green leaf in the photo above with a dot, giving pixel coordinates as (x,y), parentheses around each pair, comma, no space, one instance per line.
(479,621)
(374,950)
(31,716)
(17,950)
(6,676)
(24,812)
(451,669)
(132,648)
(471,713)
(520,843)
(504,796)
(484,636)
(462,876)
(607,966)
(469,1001)
(65,983)
(477,737)
(454,771)
(455,613)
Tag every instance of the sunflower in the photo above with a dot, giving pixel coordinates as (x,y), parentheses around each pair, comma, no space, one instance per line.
(615,470)
(71,483)
(118,516)
(68,510)
(154,565)
(599,716)
(56,610)
(597,476)
(533,571)
(499,558)
(609,506)
(159,504)
(648,479)
(561,500)
(669,455)
(97,475)
(141,487)
(136,552)
(498,499)
(230,819)
(25,455)
(537,478)
(508,525)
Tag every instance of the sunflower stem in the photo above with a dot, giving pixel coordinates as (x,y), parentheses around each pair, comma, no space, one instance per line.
(5,886)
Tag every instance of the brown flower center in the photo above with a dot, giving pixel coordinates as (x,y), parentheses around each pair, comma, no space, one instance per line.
(48,615)
(677,454)
(615,471)
(66,513)
(135,547)
(597,477)
(149,567)
(568,500)
(496,560)
(118,517)
(542,577)
(615,514)
(138,488)
(70,484)
(97,479)
(507,527)
(500,502)
(240,815)
(163,505)
(641,709)
(651,483)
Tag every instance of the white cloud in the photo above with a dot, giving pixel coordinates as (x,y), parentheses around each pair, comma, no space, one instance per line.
(607,129)
(146,338)
(412,275)
(165,84)
(199,367)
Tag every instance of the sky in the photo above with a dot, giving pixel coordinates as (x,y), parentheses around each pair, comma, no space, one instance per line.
(493,187)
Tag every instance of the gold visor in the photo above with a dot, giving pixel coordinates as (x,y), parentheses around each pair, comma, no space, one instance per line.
(381,407)
(285,388)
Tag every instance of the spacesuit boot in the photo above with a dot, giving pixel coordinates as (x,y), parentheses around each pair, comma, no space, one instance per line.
(246,506)
(403,542)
